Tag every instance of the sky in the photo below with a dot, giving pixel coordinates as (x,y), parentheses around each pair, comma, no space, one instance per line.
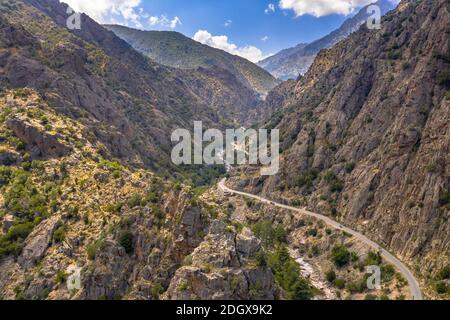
(254,29)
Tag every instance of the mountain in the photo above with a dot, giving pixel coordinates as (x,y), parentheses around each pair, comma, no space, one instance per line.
(292,62)
(176,50)
(365,136)
(129,102)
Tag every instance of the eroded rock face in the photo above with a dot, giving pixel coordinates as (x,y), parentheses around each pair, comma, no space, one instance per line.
(37,243)
(39,142)
(247,244)
(220,269)
(7,222)
(373,117)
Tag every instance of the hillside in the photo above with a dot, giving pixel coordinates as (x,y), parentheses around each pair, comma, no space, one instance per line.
(365,136)
(176,50)
(134,236)
(292,62)
(127,101)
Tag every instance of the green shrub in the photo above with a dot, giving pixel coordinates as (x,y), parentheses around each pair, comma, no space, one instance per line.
(349,167)
(444,198)
(307,180)
(59,234)
(340,255)
(287,275)
(157,290)
(5,175)
(443,274)
(182,286)
(94,247)
(443,78)
(336,185)
(387,272)
(373,259)
(339,283)
(330,276)
(126,241)
(311,232)
(61,277)
(442,288)
(261,260)
(269,234)
(135,200)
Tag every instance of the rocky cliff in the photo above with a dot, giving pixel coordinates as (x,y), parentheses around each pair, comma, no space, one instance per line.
(366,136)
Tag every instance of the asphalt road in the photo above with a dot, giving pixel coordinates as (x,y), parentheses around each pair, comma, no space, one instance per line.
(412,282)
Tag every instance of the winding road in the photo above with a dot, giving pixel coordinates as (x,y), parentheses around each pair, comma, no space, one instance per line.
(412,282)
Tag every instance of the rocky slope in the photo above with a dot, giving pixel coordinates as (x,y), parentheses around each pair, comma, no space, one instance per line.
(129,102)
(176,50)
(130,234)
(292,62)
(366,136)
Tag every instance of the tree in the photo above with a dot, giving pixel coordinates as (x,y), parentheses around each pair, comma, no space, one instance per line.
(331,276)
(340,255)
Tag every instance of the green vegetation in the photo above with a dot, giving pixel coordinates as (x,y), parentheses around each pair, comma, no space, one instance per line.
(444,199)
(330,276)
(443,274)
(443,78)
(373,259)
(94,247)
(61,277)
(269,234)
(157,290)
(307,180)
(28,206)
(442,287)
(339,283)
(182,286)
(340,255)
(126,241)
(59,234)
(287,275)
(336,185)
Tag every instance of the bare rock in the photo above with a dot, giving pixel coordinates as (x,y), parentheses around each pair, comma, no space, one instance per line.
(47,145)
(247,244)
(37,243)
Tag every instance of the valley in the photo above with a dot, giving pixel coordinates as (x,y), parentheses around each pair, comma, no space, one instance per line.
(88,180)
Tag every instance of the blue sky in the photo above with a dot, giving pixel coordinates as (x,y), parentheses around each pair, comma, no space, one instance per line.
(251,28)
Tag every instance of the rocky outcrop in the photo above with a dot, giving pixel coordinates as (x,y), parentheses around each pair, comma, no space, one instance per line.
(37,243)
(220,269)
(39,142)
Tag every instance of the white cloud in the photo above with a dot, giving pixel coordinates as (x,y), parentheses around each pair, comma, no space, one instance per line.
(250,53)
(265,38)
(106,11)
(270,8)
(319,8)
(228,23)
(164,21)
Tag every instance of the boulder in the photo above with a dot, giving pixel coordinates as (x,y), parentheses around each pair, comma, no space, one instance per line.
(7,223)
(247,244)
(37,243)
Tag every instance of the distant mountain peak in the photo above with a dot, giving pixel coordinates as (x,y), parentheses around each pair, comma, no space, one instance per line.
(292,62)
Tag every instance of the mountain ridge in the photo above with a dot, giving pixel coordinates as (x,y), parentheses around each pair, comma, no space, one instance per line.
(174,49)
(293,62)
